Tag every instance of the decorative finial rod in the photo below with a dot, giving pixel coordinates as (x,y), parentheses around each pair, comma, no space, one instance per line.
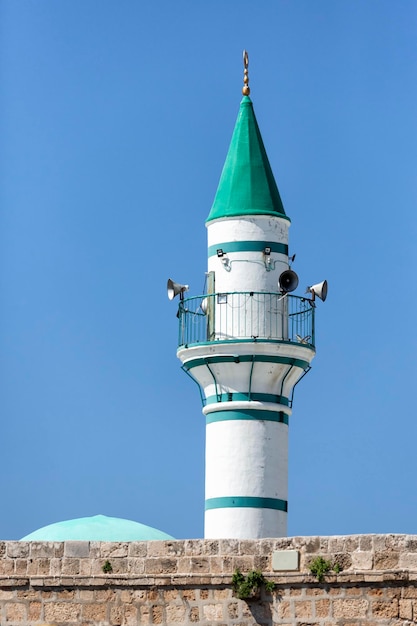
(245,88)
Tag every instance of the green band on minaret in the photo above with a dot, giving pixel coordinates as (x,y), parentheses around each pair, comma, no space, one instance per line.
(248,246)
(246,502)
(247,414)
(247,396)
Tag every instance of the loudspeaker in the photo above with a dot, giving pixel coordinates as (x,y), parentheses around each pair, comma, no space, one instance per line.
(175,288)
(319,290)
(288,281)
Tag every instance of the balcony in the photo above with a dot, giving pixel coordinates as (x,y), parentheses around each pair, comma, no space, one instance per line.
(246,316)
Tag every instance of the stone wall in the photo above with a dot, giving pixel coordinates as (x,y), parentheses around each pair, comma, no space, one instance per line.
(189,582)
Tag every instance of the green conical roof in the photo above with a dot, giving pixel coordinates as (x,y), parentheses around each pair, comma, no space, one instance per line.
(247,185)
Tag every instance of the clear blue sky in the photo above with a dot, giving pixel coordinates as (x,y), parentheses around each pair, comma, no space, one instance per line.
(115,119)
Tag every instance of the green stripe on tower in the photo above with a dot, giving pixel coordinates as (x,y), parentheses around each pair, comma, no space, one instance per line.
(248,246)
(247,414)
(247,397)
(246,502)
(246,358)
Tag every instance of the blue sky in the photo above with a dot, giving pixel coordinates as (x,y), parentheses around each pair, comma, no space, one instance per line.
(115,119)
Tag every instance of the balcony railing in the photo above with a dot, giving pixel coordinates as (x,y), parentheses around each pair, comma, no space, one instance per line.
(254,315)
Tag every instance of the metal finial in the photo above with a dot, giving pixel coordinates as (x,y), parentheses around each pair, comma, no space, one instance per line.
(245,88)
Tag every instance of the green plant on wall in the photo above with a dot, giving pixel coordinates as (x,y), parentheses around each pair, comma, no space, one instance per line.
(107,567)
(319,567)
(249,586)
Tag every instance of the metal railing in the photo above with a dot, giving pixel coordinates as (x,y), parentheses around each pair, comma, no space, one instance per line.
(246,315)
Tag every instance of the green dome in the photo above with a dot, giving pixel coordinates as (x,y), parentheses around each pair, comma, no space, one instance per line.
(96,528)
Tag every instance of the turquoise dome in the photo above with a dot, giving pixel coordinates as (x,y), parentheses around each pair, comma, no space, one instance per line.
(97,528)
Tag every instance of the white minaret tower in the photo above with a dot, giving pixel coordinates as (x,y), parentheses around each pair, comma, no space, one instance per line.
(247,342)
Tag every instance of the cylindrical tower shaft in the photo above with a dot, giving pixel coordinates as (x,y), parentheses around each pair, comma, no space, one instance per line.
(247,343)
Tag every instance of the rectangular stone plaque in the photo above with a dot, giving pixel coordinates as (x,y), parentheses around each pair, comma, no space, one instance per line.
(285,560)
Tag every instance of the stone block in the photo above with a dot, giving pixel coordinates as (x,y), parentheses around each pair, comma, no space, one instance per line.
(244,563)
(86,595)
(262,562)
(408,560)
(94,612)
(283,543)
(233,610)
(312,545)
(229,546)
(156,548)
(20,566)
(62,612)
(211,547)
(104,595)
(350,608)
(385,610)
(15,612)
(34,611)
(174,548)
(406,609)
(199,565)
(322,608)
(130,615)
(366,543)
(194,616)
(135,565)
(410,591)
(303,608)
(193,547)
(285,560)
(411,543)
(138,548)
(80,549)
(213,612)
(6,567)
(157,615)
(175,613)
(247,547)
(386,560)
(160,566)
(362,560)
(117,617)
(42,549)
(113,549)
(85,567)
(265,547)
(216,564)
(144,615)
(44,566)
(70,566)
(17,549)
(119,565)
(283,610)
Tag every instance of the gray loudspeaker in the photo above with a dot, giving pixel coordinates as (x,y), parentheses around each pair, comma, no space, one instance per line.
(288,281)
(319,290)
(174,289)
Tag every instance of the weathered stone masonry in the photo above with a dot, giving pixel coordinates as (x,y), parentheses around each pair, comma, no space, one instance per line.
(189,582)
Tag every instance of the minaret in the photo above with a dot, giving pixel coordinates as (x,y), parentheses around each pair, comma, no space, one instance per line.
(247,342)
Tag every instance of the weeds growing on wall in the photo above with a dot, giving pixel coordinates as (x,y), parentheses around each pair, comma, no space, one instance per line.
(249,586)
(319,567)
(107,567)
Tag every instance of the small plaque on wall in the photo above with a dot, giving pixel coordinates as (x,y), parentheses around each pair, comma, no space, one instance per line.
(285,560)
